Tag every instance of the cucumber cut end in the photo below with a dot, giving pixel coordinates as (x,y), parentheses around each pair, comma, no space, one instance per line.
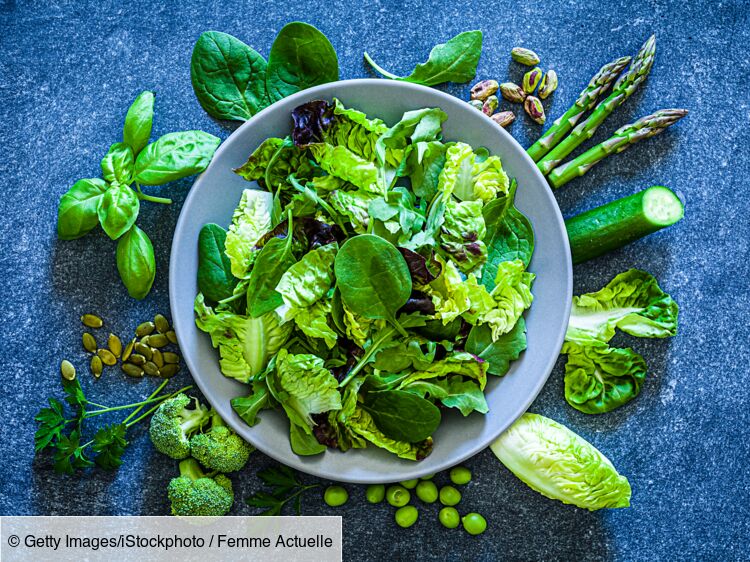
(661,206)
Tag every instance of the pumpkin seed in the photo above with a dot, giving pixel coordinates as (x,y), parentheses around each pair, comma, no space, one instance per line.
(67,370)
(162,324)
(128,350)
(158,358)
(171,336)
(115,345)
(96,366)
(107,357)
(91,321)
(144,350)
(171,358)
(169,370)
(132,370)
(157,340)
(144,329)
(137,359)
(89,343)
(150,368)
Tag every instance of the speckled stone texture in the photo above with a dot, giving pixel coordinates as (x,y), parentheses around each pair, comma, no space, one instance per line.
(69,70)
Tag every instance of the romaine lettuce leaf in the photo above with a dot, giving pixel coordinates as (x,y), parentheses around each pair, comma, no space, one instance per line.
(454,296)
(250,221)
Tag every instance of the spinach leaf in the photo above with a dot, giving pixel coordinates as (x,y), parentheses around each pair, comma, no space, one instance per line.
(401,415)
(454,61)
(215,279)
(272,262)
(453,392)
(373,278)
(303,443)
(229,78)
(174,156)
(117,164)
(510,235)
(76,213)
(498,353)
(301,57)
(138,122)
(136,263)
(118,209)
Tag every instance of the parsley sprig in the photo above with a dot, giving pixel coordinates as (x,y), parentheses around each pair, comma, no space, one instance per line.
(285,487)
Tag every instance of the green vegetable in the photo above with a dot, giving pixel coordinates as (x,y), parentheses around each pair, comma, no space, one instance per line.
(138,122)
(174,156)
(335,496)
(375,493)
(250,221)
(403,416)
(449,517)
(454,61)
(285,487)
(173,423)
(500,352)
(117,164)
(77,211)
(272,262)
(301,57)
(215,279)
(308,280)
(220,448)
(136,263)
(406,516)
(599,378)
(474,523)
(397,496)
(560,464)
(198,494)
(427,491)
(118,210)
(409,484)
(460,475)
(622,221)
(461,234)
(449,496)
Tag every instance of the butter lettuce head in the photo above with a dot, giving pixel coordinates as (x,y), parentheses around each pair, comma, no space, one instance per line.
(560,464)
(470,178)
(250,221)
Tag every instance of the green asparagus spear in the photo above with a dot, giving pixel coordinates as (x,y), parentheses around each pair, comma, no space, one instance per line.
(586,100)
(623,88)
(645,127)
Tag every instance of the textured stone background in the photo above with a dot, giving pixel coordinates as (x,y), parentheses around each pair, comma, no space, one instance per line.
(69,70)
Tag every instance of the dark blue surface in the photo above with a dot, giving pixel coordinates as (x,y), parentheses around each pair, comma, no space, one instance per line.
(68,72)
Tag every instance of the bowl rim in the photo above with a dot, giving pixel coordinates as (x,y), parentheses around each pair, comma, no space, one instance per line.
(522,406)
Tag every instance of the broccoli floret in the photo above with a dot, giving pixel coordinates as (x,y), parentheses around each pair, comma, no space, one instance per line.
(173,424)
(196,493)
(220,448)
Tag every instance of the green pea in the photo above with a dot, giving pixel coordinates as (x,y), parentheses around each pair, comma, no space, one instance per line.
(474,523)
(449,517)
(375,493)
(335,496)
(427,477)
(409,484)
(406,516)
(397,496)
(460,475)
(449,495)
(427,491)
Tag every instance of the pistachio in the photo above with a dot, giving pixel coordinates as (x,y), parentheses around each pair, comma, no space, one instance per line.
(548,84)
(144,329)
(115,345)
(524,56)
(150,369)
(535,110)
(490,105)
(158,358)
(162,324)
(128,350)
(96,366)
(484,89)
(137,359)
(512,92)
(172,336)
(132,370)
(144,350)
(169,370)
(89,343)
(157,340)
(67,370)
(170,357)
(476,104)
(107,357)
(504,118)
(91,321)
(531,80)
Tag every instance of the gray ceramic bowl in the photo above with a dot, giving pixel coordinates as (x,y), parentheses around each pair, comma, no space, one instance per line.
(216,193)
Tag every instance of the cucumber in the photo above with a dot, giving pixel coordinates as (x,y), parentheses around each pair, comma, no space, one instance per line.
(622,221)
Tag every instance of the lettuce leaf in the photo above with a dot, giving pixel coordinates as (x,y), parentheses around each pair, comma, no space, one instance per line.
(313,321)
(341,162)
(461,234)
(424,163)
(354,205)
(250,221)
(512,295)
(469,179)
(453,392)
(497,352)
(453,296)
(285,159)
(309,279)
(397,213)
(462,363)
(362,424)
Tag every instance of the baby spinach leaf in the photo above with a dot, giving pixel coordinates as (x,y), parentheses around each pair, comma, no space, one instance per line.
(174,156)
(136,263)
(272,262)
(301,57)
(118,209)
(138,122)
(117,164)
(215,279)
(76,213)
(454,61)
(303,443)
(498,353)
(229,78)
(401,415)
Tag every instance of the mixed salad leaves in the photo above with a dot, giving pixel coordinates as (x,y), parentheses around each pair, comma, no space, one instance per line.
(378,278)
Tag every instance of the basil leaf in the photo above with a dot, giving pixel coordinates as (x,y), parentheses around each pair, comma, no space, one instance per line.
(272,262)
(301,57)
(175,156)
(118,210)
(136,263)
(215,279)
(76,213)
(117,164)
(138,122)
(402,415)
(498,353)
(229,78)
(454,61)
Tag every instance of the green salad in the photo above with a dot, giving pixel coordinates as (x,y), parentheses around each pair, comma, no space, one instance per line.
(376,280)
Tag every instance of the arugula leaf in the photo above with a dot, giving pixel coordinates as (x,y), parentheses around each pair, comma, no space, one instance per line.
(117,164)
(499,352)
(118,209)
(138,122)
(174,156)
(215,279)
(77,211)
